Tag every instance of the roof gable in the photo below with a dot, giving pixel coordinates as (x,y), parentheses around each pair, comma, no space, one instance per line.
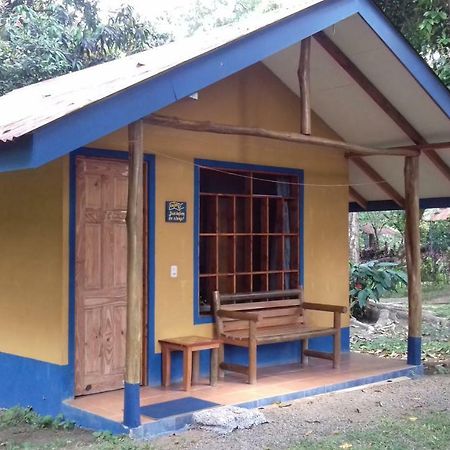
(149,88)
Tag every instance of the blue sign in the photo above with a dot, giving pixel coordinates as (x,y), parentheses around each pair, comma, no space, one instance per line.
(176,211)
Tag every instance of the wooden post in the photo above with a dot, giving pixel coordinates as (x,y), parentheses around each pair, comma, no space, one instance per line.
(305,87)
(135,218)
(413,260)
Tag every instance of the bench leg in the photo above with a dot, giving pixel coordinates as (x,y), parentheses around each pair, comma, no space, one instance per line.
(166,362)
(304,347)
(187,369)
(337,340)
(336,349)
(195,367)
(214,366)
(252,362)
(221,356)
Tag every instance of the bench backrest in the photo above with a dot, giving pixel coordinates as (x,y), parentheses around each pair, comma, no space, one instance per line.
(275,308)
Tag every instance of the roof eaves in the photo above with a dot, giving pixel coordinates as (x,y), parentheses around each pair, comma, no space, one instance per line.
(103,117)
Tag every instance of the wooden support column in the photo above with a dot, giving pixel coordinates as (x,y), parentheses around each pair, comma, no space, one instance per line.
(135,239)
(304,80)
(413,259)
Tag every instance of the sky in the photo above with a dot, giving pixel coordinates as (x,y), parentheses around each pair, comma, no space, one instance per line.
(148,8)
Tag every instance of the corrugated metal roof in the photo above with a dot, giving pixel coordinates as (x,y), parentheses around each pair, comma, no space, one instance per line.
(27,109)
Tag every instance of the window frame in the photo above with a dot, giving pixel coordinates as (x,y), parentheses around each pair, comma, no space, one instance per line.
(226,165)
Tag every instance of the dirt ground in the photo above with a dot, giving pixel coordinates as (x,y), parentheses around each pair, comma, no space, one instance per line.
(325,415)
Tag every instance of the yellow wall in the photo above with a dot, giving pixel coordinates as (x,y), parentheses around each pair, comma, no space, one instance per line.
(253,98)
(34,262)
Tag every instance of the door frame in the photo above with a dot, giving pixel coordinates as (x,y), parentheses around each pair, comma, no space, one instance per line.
(149,356)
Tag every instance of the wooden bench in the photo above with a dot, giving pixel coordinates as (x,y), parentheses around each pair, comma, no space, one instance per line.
(252,319)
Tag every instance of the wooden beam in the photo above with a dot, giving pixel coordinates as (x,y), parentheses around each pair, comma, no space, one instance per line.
(210,127)
(383,184)
(357,197)
(304,80)
(135,282)
(413,259)
(436,146)
(336,53)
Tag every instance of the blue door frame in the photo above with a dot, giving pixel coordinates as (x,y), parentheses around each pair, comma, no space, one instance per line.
(150,180)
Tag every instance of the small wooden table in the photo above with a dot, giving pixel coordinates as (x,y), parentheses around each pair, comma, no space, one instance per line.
(190,346)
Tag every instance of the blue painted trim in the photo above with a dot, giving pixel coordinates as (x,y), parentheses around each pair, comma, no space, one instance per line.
(198,318)
(132,405)
(91,421)
(153,358)
(406,54)
(103,117)
(389,205)
(180,422)
(72,265)
(414,350)
(27,382)
(410,372)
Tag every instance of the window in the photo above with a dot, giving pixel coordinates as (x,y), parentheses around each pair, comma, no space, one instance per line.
(249,232)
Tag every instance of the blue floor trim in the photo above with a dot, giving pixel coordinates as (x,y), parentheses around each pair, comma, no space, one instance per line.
(176,407)
(90,421)
(180,422)
(410,372)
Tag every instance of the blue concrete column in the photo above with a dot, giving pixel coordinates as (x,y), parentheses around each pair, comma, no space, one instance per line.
(132,406)
(414,350)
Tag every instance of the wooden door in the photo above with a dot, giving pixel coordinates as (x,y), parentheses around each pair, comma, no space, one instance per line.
(101,270)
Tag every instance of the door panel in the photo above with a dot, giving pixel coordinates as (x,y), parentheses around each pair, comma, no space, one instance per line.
(101,263)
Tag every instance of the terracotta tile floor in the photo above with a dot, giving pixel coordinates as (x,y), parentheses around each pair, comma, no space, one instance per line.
(233,389)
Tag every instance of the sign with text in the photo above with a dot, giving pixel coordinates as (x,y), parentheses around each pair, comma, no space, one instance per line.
(176,211)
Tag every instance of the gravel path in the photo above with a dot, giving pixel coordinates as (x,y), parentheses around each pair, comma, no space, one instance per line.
(325,415)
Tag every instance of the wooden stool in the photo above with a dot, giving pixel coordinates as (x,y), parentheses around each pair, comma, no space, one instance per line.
(190,346)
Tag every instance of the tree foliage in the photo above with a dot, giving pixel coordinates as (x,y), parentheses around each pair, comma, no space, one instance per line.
(425,23)
(372,281)
(41,39)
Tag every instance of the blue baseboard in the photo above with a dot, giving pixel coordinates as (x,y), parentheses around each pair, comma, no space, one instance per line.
(268,355)
(91,421)
(28,382)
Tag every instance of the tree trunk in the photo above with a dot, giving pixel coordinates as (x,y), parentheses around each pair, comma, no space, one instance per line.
(353,237)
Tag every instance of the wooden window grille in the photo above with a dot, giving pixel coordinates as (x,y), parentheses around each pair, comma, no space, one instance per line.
(249,232)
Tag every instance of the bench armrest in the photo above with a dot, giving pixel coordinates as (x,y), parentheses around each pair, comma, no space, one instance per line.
(322,307)
(238,315)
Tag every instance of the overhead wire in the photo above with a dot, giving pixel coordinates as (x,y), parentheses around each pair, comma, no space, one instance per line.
(242,175)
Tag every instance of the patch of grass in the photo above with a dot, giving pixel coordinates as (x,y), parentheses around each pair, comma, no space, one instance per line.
(23,429)
(429,292)
(387,346)
(430,432)
(439,310)
(435,344)
(26,416)
(107,441)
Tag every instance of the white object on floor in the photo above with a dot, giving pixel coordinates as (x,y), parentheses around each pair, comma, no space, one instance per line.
(225,419)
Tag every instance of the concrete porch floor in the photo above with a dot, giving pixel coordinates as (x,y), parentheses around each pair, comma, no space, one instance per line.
(275,384)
